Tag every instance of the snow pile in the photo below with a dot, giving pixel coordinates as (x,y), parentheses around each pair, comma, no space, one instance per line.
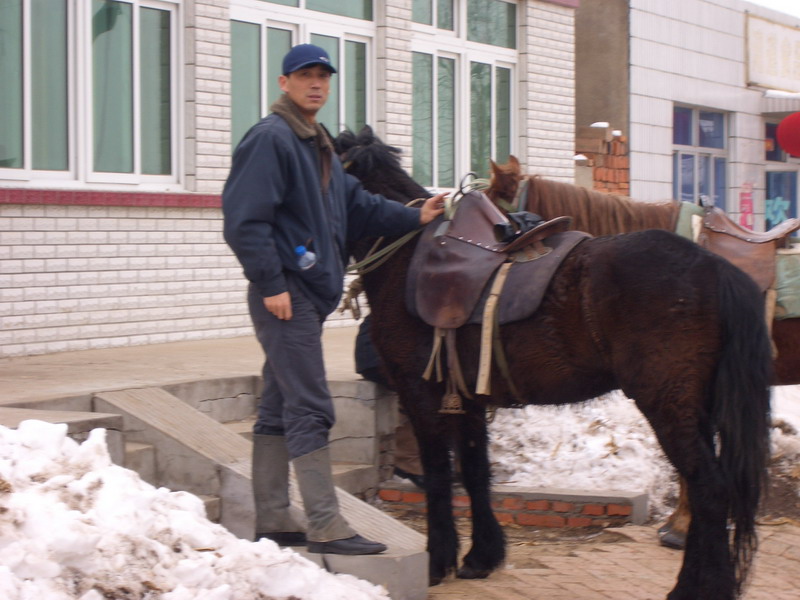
(74,525)
(607,444)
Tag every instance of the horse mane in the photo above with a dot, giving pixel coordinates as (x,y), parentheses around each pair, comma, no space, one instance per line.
(367,157)
(596,212)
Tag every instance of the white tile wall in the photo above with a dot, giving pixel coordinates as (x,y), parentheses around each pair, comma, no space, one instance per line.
(80,277)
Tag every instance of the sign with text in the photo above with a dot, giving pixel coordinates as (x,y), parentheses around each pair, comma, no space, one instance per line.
(773,55)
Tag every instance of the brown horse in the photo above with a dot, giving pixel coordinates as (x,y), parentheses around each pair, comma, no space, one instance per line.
(676,328)
(603,214)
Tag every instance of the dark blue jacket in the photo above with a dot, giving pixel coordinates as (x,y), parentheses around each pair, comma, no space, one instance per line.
(273,201)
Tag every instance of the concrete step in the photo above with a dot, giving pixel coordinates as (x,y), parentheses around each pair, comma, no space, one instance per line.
(198,454)
(142,459)
(79,424)
(355,478)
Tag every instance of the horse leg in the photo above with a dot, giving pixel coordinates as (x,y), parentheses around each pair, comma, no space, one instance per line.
(707,571)
(435,455)
(488,541)
(673,533)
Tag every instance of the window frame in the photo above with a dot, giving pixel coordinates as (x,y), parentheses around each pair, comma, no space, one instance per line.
(427,39)
(80,125)
(698,154)
(296,20)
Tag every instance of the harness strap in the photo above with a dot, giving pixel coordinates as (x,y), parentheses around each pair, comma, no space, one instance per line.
(483,385)
(435,360)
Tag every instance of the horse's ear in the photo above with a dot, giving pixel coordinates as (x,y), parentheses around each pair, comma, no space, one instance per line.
(366,136)
(344,141)
(512,160)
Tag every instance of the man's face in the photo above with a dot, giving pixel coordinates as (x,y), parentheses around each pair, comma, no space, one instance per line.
(308,88)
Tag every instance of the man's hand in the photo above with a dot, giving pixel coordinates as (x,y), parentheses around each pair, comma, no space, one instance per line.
(280,306)
(432,208)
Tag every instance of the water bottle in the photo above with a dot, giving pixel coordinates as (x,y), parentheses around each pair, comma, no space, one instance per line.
(305,258)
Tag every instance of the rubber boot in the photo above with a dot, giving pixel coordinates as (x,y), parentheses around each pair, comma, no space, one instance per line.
(274,519)
(328,532)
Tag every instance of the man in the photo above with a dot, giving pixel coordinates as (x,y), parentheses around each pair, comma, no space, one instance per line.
(286,188)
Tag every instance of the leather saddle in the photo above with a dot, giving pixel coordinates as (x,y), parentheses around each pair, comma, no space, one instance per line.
(455,261)
(753,252)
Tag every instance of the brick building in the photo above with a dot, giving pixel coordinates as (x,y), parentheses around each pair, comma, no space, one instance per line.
(119,119)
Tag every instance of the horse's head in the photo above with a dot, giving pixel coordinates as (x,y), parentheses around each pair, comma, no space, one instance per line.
(504,180)
(377,165)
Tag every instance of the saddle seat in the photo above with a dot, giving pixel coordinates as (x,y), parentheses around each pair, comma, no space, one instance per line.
(455,260)
(752,251)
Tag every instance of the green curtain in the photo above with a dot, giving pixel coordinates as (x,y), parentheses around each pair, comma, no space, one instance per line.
(329,115)
(11,101)
(279,42)
(112,84)
(480,118)
(49,100)
(358,9)
(446,122)
(502,114)
(245,78)
(492,22)
(355,85)
(422,115)
(155,99)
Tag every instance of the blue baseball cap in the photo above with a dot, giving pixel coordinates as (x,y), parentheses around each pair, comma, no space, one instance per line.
(306,55)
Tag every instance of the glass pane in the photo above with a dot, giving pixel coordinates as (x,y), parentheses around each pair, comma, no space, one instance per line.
(329,115)
(446,122)
(422,117)
(155,98)
(49,101)
(772,150)
(682,126)
(480,118)
(358,9)
(422,12)
(355,85)
(720,182)
(704,176)
(112,49)
(502,114)
(444,14)
(279,42)
(686,176)
(492,22)
(245,78)
(11,115)
(781,197)
(711,132)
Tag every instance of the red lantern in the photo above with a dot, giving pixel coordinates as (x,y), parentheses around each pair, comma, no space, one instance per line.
(788,134)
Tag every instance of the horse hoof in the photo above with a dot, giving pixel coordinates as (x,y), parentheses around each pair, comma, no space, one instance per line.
(466,572)
(432,581)
(673,540)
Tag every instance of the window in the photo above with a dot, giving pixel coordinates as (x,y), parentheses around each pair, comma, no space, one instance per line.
(492,22)
(772,150)
(433,113)
(428,12)
(700,158)
(465,77)
(781,197)
(257,51)
(358,9)
(127,132)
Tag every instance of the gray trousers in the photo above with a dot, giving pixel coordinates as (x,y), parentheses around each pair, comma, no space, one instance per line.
(295,402)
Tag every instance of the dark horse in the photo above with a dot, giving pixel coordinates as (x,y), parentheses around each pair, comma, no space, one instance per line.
(602,214)
(676,328)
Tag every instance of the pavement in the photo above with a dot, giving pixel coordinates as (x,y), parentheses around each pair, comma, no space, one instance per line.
(633,566)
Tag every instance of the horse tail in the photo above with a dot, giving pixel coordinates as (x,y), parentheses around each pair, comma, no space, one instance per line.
(741,408)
